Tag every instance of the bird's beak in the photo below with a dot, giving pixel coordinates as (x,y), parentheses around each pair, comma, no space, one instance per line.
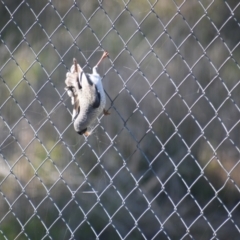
(82,131)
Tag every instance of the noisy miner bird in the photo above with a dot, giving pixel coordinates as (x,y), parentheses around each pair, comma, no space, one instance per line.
(87,96)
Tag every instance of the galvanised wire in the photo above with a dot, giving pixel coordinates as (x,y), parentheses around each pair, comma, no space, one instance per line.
(162,214)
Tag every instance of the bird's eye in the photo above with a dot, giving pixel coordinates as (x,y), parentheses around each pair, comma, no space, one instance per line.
(82,131)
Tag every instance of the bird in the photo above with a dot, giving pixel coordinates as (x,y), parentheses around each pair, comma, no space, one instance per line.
(87,96)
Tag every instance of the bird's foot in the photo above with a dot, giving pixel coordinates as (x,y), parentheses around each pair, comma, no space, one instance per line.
(105,54)
(106,112)
(75,65)
(75,68)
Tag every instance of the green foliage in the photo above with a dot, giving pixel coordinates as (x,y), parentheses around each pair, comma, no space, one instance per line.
(172,82)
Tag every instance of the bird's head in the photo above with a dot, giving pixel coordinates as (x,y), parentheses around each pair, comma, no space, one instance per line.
(81,132)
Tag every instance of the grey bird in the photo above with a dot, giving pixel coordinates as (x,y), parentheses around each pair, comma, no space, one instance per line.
(87,96)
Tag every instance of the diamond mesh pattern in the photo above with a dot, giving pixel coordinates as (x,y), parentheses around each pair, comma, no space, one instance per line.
(165,164)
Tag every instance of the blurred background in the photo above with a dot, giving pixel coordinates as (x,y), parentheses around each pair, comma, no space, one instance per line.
(164,164)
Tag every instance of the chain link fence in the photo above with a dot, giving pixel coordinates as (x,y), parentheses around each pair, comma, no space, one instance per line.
(164,164)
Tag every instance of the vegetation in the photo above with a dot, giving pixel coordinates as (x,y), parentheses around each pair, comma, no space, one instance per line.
(164,164)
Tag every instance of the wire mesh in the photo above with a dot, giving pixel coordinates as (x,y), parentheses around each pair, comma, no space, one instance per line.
(164,164)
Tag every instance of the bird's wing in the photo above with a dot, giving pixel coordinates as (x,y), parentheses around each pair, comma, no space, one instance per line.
(95,93)
(97,101)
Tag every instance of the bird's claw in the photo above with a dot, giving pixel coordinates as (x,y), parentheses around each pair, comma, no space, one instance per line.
(106,112)
(105,54)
